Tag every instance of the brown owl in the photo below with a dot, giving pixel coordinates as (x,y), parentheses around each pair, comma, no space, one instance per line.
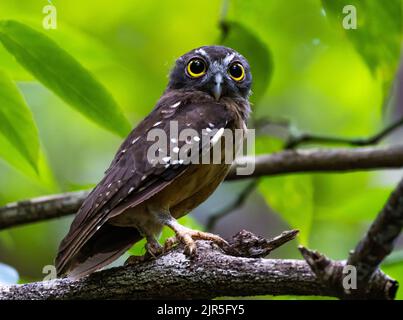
(208,92)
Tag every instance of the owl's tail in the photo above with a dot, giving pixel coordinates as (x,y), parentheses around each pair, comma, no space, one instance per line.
(104,247)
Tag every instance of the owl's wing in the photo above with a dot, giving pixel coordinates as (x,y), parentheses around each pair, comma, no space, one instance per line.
(131,177)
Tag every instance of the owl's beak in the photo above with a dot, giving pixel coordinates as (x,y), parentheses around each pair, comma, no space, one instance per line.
(217,89)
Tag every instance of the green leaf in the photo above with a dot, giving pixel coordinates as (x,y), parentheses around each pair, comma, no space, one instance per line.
(361,207)
(292,198)
(41,175)
(379,34)
(258,54)
(16,121)
(61,73)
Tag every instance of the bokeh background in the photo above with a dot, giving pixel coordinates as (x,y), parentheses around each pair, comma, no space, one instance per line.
(308,71)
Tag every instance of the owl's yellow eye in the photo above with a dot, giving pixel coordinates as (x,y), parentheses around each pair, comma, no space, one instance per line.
(236,71)
(196,68)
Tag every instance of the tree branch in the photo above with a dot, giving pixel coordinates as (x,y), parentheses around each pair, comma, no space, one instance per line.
(210,274)
(379,241)
(322,160)
(42,208)
(285,162)
(330,273)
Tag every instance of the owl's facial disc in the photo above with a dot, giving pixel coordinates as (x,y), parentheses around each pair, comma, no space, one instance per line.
(216,70)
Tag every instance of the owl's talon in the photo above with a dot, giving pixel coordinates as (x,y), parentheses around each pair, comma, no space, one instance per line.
(170,243)
(154,249)
(188,236)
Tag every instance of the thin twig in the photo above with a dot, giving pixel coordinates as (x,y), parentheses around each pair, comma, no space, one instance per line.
(296,140)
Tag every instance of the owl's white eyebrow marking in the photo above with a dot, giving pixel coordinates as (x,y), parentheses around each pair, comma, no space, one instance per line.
(135,140)
(201,52)
(228,58)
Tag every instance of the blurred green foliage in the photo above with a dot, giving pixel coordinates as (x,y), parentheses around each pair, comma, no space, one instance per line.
(109,61)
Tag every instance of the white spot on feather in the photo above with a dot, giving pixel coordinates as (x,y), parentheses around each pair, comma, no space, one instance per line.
(217,136)
(175,105)
(157,123)
(175,149)
(131,190)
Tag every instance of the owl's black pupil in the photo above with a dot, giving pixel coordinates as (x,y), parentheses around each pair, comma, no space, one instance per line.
(197,66)
(236,71)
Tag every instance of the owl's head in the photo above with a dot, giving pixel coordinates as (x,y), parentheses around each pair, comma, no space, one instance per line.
(217,70)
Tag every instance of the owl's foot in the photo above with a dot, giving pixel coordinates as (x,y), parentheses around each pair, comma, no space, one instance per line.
(154,249)
(183,234)
(188,236)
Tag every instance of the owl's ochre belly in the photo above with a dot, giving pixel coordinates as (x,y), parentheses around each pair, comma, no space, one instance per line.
(180,197)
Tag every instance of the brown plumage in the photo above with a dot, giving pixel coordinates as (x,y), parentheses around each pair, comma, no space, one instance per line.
(137,196)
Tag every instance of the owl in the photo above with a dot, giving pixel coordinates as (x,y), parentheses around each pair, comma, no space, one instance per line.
(208,92)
